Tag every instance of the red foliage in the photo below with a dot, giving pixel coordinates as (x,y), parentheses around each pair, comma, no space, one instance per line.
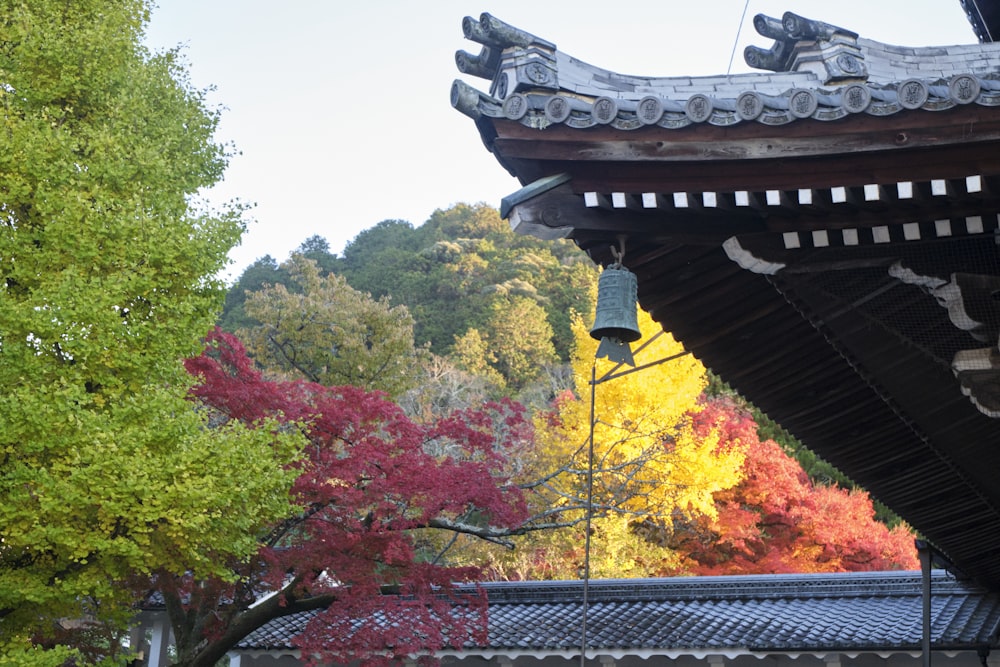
(776,520)
(368,478)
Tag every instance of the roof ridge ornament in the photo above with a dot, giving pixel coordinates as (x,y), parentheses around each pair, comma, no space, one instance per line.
(532,57)
(802,44)
(495,36)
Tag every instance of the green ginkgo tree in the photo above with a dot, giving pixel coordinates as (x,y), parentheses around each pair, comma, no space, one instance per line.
(107,470)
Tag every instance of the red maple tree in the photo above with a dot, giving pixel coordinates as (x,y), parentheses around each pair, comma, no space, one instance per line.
(367,479)
(776,520)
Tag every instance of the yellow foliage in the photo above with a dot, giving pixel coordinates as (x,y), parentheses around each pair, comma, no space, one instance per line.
(648,461)
(646,457)
(619,551)
(651,469)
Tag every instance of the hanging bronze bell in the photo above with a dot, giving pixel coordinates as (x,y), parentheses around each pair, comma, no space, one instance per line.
(616,323)
(617,291)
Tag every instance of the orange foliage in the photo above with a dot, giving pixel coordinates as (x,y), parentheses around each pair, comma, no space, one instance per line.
(776,520)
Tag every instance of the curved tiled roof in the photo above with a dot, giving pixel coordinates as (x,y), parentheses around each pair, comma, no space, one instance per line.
(877,611)
(824,73)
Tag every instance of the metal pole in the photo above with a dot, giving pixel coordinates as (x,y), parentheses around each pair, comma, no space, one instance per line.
(925,569)
(589,516)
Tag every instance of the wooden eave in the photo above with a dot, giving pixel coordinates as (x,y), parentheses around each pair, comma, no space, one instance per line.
(855,151)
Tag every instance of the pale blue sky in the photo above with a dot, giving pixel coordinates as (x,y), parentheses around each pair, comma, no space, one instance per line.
(341,108)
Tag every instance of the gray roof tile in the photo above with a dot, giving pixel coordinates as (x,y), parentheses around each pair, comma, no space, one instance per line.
(539,71)
(764,613)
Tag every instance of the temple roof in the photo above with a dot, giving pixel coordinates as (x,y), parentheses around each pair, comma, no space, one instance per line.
(815,613)
(817,71)
(822,237)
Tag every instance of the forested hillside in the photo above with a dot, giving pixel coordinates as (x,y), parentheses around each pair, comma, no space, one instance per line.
(498,303)
(460,310)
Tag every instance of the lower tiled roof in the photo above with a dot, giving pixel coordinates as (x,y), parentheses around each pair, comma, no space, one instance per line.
(879,611)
